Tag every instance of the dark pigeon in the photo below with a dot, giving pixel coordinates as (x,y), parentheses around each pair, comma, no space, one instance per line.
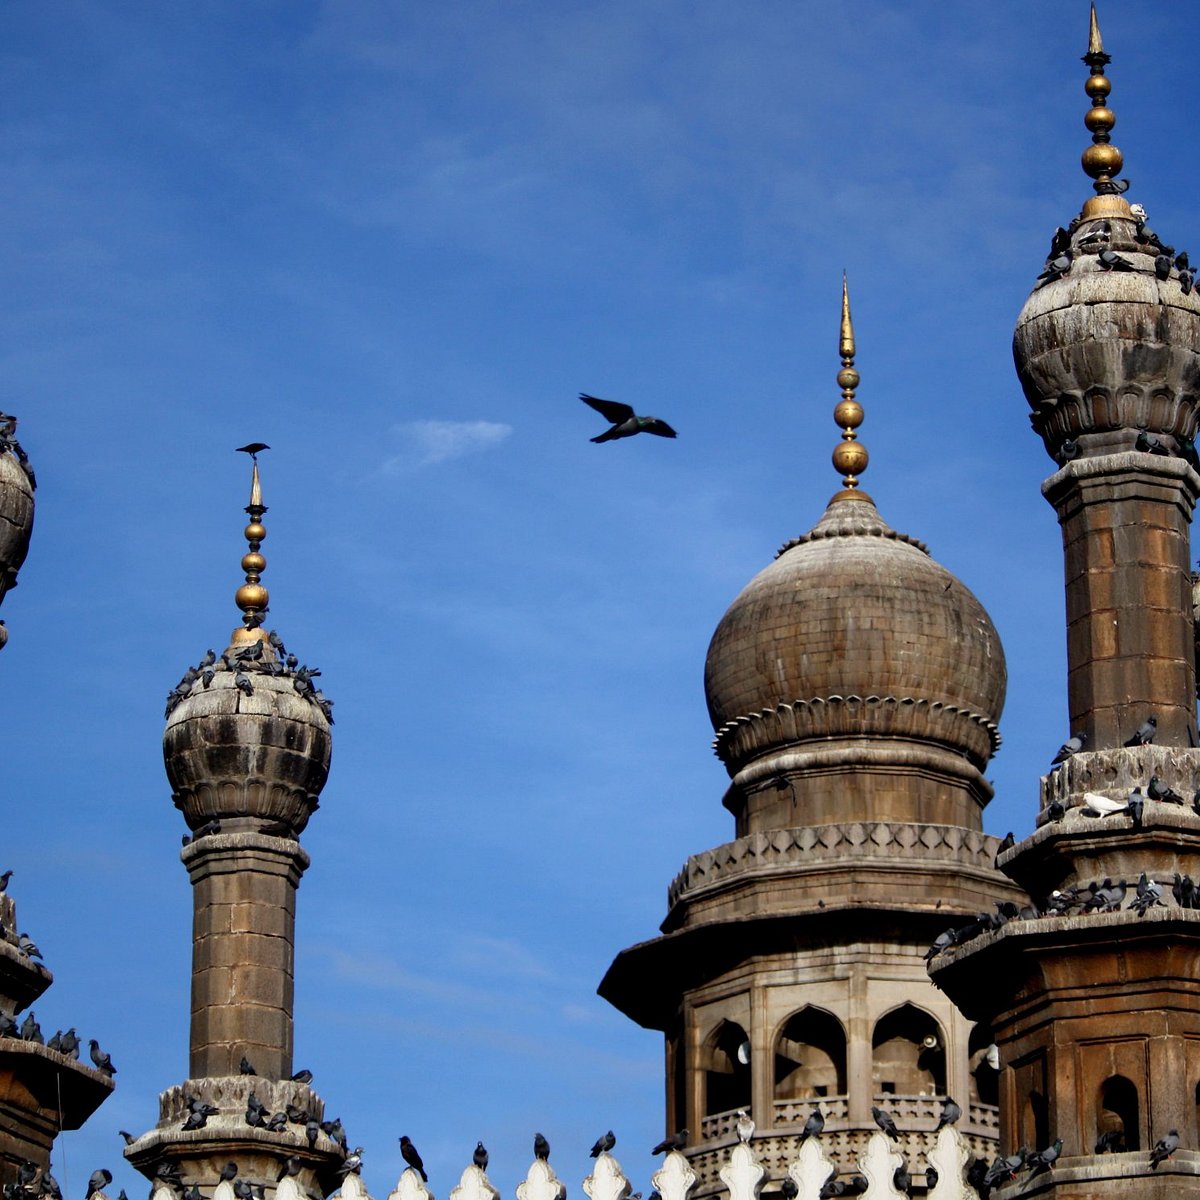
(625,422)
(885,1122)
(677,1141)
(815,1123)
(1072,746)
(1164,1148)
(1145,733)
(409,1153)
(480,1157)
(541,1148)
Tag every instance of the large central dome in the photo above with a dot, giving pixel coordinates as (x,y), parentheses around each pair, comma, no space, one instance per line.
(854,629)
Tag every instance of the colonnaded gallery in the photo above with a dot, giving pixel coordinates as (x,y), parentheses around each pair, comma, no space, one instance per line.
(1051,987)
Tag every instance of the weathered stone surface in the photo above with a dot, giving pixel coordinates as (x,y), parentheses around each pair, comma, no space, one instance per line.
(16,519)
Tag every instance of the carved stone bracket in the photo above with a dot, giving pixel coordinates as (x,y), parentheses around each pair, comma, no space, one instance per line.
(742,1175)
(879,1163)
(811,1169)
(950,1157)
(675,1178)
(541,1183)
(474,1185)
(607,1181)
(411,1186)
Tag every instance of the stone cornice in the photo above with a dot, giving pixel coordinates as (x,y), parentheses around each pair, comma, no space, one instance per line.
(792,850)
(913,717)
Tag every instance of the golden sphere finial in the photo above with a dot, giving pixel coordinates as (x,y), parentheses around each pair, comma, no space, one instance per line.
(850,456)
(252,598)
(1101,160)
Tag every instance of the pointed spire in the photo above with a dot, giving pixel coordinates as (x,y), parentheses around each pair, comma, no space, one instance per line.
(1101,160)
(252,598)
(850,457)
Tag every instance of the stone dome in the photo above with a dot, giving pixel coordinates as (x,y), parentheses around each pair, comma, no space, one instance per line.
(247,757)
(1100,351)
(854,631)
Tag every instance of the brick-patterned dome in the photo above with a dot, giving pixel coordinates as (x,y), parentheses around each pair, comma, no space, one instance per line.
(854,631)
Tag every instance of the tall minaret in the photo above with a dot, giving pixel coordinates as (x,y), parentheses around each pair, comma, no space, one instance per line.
(44,1088)
(1096,1005)
(854,687)
(247,749)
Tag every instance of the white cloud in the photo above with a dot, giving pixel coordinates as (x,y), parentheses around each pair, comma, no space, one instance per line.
(427,443)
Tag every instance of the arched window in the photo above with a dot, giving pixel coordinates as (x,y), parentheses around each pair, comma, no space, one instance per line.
(727,1069)
(1117,1114)
(810,1056)
(985,1077)
(908,1055)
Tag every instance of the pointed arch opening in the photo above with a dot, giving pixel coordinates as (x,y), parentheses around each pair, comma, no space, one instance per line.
(983,1065)
(908,1054)
(726,1065)
(1118,1112)
(810,1056)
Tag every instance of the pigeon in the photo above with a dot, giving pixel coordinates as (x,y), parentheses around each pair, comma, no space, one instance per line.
(129,1138)
(4,881)
(8,1027)
(98,1182)
(311,1129)
(1149,445)
(931,1177)
(901,1179)
(625,422)
(295,1115)
(245,1067)
(1113,1140)
(949,1114)
(195,1120)
(291,1166)
(101,1059)
(813,1126)
(1149,895)
(27,946)
(603,1144)
(276,1122)
(1136,806)
(193,1193)
(1055,268)
(1145,733)
(409,1153)
(1068,450)
(1187,281)
(1043,1160)
(1005,1168)
(353,1163)
(229,1172)
(1157,790)
(885,1122)
(1096,805)
(480,1157)
(31,1031)
(1007,844)
(254,449)
(676,1141)
(744,1126)
(1164,1148)
(1110,260)
(243,1191)
(1055,810)
(788,1188)
(1072,746)
(541,1148)
(1162,266)
(302,1077)
(1181,261)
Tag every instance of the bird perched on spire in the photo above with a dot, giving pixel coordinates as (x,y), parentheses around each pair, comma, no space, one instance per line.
(254,449)
(625,422)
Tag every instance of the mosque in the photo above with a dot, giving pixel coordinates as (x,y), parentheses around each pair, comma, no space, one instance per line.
(860,944)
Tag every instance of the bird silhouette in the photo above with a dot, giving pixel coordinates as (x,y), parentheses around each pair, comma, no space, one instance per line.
(625,422)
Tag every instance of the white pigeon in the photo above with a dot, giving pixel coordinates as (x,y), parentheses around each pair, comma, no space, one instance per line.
(1102,806)
(745,1126)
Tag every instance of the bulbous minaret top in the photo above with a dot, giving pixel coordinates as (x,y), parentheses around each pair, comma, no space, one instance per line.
(17,483)
(852,641)
(1108,345)
(248,731)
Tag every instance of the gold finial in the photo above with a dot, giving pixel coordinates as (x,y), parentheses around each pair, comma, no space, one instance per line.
(1101,160)
(850,457)
(252,598)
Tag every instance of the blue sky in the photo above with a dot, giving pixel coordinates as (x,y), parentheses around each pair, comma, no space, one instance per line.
(395,241)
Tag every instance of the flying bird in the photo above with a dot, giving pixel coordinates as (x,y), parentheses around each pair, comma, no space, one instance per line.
(625,422)
(409,1153)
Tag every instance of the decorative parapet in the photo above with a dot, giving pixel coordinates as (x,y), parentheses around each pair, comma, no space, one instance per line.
(411,1186)
(474,1185)
(787,850)
(879,1163)
(352,1188)
(1115,773)
(607,1181)
(541,1183)
(231,1093)
(824,717)
(950,1158)
(675,1178)
(812,1169)
(742,1175)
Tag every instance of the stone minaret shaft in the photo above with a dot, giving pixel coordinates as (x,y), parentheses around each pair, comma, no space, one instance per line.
(243,938)
(1125,524)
